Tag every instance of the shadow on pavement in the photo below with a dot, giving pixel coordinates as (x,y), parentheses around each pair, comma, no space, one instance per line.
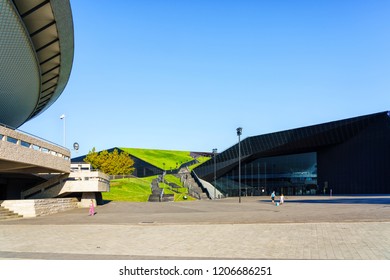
(350,200)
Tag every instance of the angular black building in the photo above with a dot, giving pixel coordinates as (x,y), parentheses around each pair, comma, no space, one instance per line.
(350,156)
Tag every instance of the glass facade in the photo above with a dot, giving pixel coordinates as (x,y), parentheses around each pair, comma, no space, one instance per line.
(288,174)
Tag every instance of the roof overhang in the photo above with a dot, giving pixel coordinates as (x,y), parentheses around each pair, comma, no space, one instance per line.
(40,49)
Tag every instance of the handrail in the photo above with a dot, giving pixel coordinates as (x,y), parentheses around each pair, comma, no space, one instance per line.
(90,174)
(196,178)
(52,182)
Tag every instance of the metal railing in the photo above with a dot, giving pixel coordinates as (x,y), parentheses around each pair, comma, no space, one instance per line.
(196,178)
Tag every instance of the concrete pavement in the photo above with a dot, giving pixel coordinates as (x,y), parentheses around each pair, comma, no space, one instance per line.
(353,228)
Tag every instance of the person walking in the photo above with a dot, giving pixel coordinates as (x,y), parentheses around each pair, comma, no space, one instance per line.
(273,197)
(281,199)
(91,208)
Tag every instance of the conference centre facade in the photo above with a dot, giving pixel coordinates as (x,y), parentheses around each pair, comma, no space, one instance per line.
(350,156)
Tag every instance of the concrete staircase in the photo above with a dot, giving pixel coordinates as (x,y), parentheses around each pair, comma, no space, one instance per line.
(189,182)
(6,214)
(156,192)
(48,189)
(195,187)
(28,208)
(157,195)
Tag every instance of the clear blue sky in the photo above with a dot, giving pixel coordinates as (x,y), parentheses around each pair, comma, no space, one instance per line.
(185,74)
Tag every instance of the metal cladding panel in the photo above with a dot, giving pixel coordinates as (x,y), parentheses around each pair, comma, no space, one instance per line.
(359,165)
(64,22)
(19,72)
(36,56)
(353,154)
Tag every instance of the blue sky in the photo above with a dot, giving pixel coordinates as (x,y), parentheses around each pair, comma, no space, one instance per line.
(184,75)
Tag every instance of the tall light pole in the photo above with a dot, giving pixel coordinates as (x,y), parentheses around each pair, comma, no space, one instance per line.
(215,173)
(62,117)
(239,132)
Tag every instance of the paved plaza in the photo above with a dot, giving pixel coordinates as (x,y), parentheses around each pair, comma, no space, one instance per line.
(330,228)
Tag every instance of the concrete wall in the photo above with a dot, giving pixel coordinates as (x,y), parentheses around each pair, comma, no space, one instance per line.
(40,207)
(87,181)
(20,152)
(75,182)
(211,190)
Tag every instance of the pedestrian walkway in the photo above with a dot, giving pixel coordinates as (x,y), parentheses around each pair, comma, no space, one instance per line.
(353,228)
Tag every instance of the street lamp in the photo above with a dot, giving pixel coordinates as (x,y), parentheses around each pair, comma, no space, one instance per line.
(215,173)
(239,132)
(62,117)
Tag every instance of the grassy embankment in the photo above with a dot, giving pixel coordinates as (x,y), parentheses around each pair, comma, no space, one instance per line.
(200,161)
(162,159)
(129,189)
(138,189)
(181,193)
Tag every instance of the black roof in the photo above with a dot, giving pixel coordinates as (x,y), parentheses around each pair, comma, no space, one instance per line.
(293,141)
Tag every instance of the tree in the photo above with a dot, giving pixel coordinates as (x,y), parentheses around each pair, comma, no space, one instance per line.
(92,158)
(114,163)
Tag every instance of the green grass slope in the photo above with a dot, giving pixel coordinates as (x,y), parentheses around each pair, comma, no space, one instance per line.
(201,160)
(129,189)
(164,159)
(180,195)
(138,190)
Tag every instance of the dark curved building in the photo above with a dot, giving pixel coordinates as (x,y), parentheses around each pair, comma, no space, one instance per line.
(350,156)
(36,56)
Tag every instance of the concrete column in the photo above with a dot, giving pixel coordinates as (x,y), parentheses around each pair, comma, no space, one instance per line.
(86,199)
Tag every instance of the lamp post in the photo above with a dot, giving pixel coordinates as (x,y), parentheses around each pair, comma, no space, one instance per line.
(239,132)
(215,173)
(62,117)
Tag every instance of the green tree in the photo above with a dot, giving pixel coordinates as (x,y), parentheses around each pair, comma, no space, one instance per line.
(92,158)
(114,163)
